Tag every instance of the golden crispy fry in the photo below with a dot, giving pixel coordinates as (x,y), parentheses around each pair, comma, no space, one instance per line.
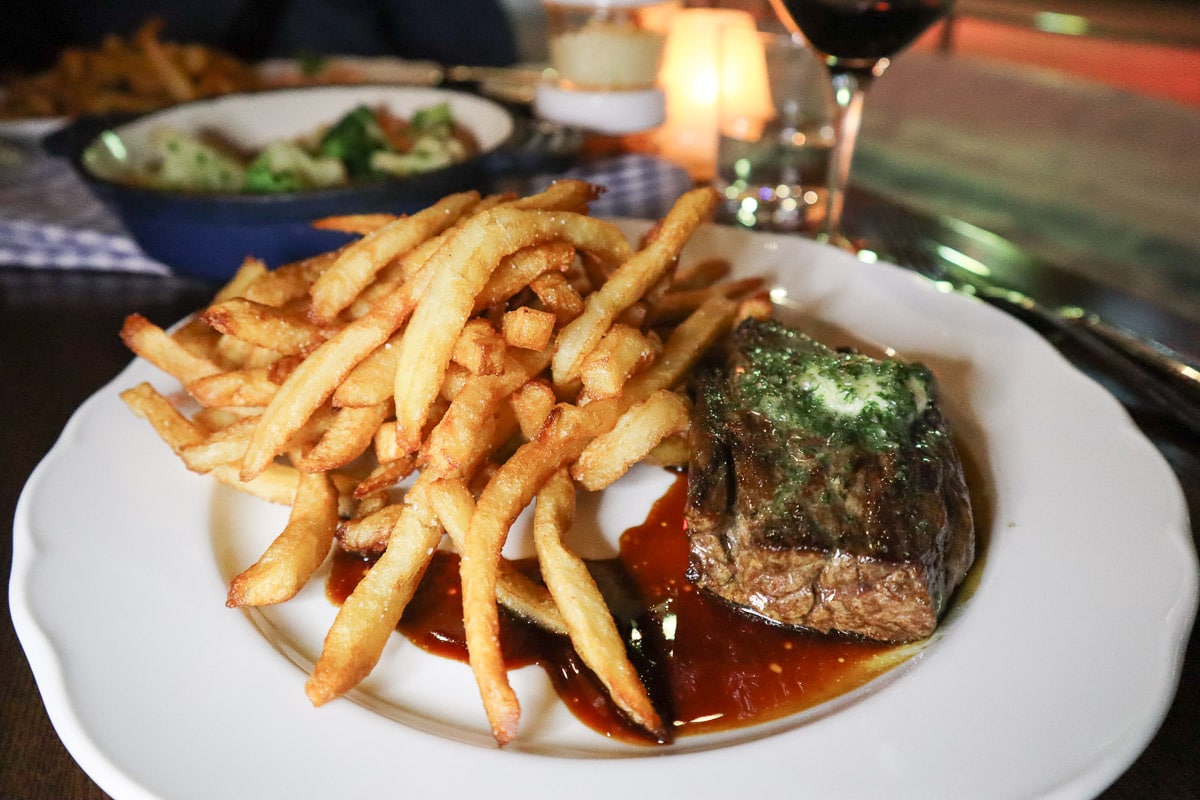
(385,443)
(172,427)
(134,74)
(354,223)
(635,434)
(677,305)
(153,344)
(350,433)
(631,280)
(563,436)
(700,274)
(515,590)
(170,75)
(453,445)
(622,352)
(520,269)
(277,484)
(479,348)
(357,264)
(367,535)
(683,348)
(218,418)
(295,554)
(252,387)
(756,306)
(264,326)
(370,382)
(672,452)
(460,269)
(312,383)
(528,329)
(226,446)
(557,296)
(531,405)
(385,476)
(369,615)
(247,274)
(562,195)
(588,621)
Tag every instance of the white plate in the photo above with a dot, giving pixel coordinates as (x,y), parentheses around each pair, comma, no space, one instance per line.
(1048,682)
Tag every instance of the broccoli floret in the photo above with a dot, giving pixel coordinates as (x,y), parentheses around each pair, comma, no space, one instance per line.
(286,167)
(353,139)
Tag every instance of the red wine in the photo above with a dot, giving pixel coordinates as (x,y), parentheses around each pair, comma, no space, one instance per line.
(864,30)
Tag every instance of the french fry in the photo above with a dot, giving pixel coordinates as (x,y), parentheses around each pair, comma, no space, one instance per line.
(386,475)
(531,405)
(315,380)
(226,446)
(154,344)
(635,434)
(286,565)
(348,437)
(247,274)
(252,387)
(560,440)
(289,282)
(367,535)
(370,614)
(557,296)
(172,427)
(516,591)
(678,304)
(452,447)
(528,328)
(480,349)
(700,274)
(370,382)
(354,268)
(264,326)
(622,352)
(672,452)
(353,223)
(587,618)
(460,269)
(631,280)
(521,269)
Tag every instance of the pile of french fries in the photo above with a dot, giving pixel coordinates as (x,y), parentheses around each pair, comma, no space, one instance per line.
(482,353)
(134,74)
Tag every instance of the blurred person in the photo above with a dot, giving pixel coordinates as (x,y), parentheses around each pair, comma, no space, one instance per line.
(475,32)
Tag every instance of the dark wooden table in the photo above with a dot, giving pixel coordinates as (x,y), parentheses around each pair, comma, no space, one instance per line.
(58,344)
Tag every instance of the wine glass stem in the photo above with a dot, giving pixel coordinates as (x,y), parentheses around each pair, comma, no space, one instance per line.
(849,90)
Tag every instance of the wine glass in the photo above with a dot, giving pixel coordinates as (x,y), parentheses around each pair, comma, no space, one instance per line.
(857,39)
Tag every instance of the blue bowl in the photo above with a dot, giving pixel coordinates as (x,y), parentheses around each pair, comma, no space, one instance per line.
(208,235)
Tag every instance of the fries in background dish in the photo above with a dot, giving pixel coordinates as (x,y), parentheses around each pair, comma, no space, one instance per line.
(134,74)
(509,353)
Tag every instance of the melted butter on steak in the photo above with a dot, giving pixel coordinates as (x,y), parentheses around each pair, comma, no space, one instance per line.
(825,491)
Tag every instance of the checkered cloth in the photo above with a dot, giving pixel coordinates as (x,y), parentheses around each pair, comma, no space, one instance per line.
(635,185)
(39,244)
(49,219)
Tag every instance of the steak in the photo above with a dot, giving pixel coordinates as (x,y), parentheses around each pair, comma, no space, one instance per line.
(824,490)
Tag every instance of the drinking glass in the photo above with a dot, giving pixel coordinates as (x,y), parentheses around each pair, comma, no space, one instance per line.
(857,39)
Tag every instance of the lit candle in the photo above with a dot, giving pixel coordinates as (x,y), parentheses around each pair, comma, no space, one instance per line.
(696,72)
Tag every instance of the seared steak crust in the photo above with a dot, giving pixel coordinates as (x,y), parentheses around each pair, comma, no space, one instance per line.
(862,527)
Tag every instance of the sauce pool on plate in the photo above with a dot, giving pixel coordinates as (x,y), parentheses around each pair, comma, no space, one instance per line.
(707,667)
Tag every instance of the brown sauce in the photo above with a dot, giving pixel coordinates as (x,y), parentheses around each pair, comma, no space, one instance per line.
(707,667)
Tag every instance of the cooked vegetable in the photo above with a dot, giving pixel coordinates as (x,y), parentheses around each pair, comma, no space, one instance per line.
(363,144)
(353,139)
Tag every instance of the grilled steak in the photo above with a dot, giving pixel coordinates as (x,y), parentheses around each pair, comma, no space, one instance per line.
(825,491)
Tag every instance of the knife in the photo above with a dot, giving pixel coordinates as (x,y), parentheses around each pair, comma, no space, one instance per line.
(1150,370)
